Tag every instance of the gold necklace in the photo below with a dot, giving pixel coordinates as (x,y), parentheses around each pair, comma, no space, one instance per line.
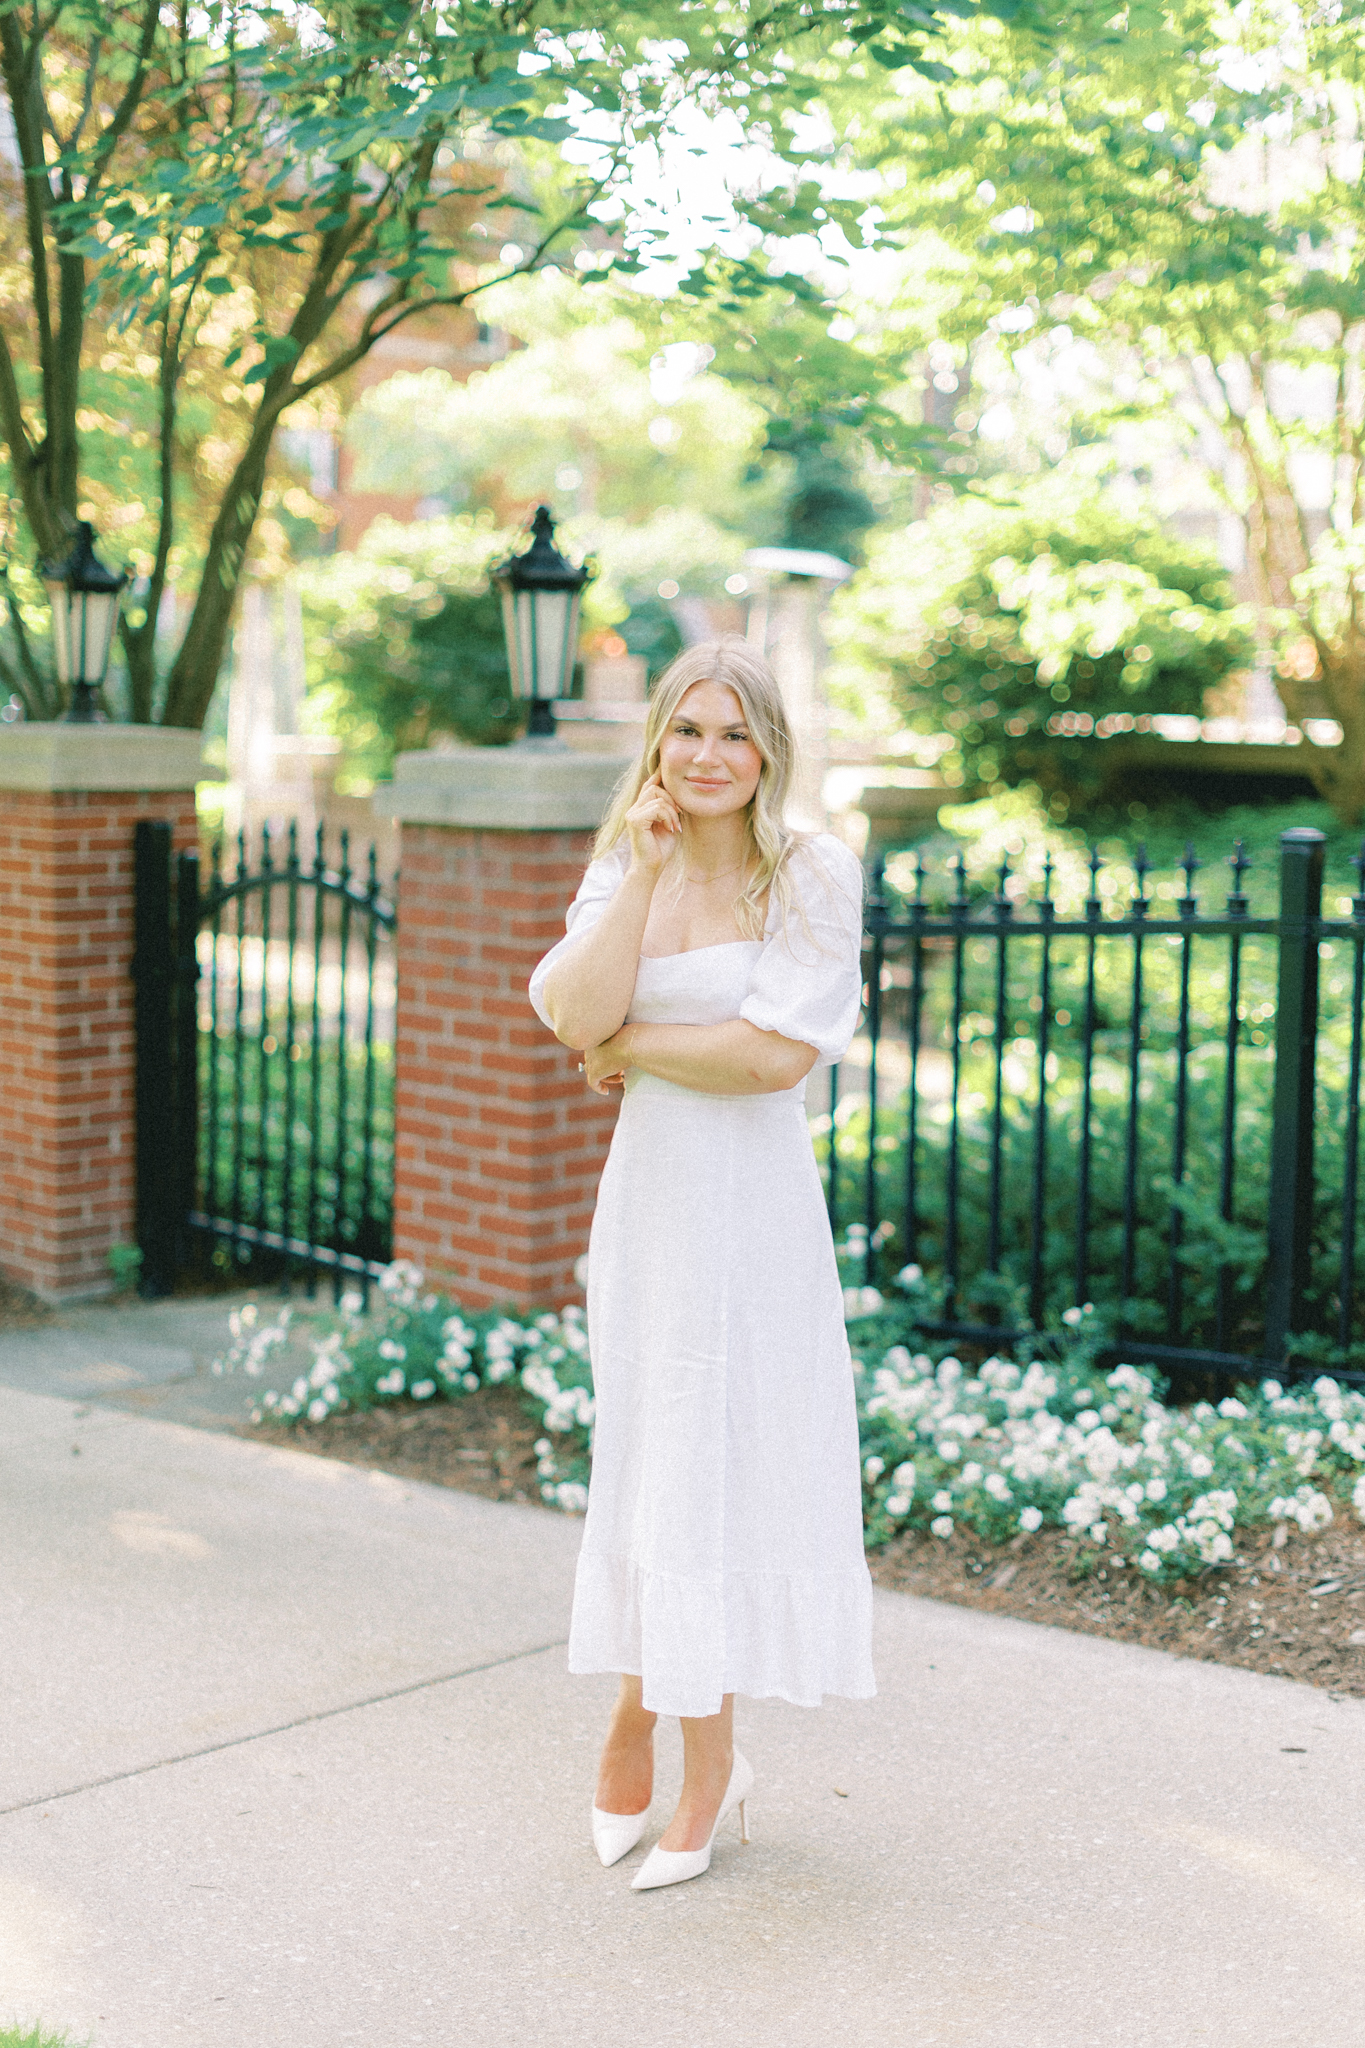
(705,881)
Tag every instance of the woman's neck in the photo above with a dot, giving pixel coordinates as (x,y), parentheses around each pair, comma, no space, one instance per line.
(714,846)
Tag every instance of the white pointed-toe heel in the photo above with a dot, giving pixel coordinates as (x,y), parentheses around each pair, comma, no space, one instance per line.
(675,1866)
(614,1835)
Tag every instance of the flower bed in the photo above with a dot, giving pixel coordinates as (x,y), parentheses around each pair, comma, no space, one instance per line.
(417,1345)
(995,1452)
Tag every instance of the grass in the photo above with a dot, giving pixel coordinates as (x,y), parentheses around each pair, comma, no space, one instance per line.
(34,2037)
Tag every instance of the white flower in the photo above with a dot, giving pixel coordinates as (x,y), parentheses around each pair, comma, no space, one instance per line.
(318,1410)
(352,1302)
(1149,1561)
(998,1487)
(1272,1389)
(1030,1519)
(942,1501)
(469,1382)
(898,1504)
(942,1525)
(1156,1489)
(909,1276)
(948,1449)
(422,1390)
(971,1475)
(1098,1532)
(904,1475)
(1232,1409)
(861,1301)
(1200,1466)
(873,1468)
(572,1497)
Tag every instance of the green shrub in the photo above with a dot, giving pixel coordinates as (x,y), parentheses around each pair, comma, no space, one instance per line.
(1024,625)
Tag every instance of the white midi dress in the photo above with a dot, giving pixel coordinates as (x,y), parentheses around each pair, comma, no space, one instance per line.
(722,1550)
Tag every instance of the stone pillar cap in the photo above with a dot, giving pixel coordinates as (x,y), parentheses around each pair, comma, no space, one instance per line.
(521,788)
(43,756)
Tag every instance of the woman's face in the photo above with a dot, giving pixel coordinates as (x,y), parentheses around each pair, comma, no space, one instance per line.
(707,762)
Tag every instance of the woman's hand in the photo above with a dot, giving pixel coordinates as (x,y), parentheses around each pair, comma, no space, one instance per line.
(605,1066)
(653,825)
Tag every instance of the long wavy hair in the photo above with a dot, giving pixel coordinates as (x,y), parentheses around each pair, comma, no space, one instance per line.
(735,666)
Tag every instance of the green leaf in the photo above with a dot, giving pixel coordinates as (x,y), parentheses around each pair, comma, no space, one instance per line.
(489,96)
(546,130)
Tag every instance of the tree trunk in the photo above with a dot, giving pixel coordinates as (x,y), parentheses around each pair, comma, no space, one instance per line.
(194,673)
(1337,772)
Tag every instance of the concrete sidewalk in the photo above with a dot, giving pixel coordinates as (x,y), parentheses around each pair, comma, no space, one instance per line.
(289,1759)
(151,1358)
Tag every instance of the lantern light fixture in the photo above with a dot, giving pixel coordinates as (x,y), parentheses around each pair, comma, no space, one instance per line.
(85,598)
(540,593)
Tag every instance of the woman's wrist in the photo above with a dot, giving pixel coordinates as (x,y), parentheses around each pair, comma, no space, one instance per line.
(642,875)
(625,1044)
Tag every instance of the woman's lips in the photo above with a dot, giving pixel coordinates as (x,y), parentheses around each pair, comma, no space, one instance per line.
(699,782)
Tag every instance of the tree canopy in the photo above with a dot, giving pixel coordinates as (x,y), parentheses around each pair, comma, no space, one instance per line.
(1180,186)
(218,212)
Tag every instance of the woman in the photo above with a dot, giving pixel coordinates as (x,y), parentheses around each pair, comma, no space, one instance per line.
(712,959)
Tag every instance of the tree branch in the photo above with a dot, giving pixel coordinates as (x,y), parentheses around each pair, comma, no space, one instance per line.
(25,458)
(22,71)
(38,692)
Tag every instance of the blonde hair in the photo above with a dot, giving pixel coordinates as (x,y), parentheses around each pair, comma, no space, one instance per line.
(735,666)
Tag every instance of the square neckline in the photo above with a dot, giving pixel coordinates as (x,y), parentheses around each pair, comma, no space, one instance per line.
(718,947)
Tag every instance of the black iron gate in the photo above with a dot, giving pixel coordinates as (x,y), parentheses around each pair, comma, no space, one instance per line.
(1149,1105)
(265,999)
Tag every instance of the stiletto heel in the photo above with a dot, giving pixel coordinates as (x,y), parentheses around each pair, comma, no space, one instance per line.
(614,1835)
(674,1866)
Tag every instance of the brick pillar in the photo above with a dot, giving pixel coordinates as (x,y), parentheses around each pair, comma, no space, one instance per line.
(69,798)
(499,1143)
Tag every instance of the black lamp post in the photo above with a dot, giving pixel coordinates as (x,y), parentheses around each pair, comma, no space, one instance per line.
(85,599)
(540,595)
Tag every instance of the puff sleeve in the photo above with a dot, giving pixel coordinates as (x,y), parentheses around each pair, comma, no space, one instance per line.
(599,885)
(807,982)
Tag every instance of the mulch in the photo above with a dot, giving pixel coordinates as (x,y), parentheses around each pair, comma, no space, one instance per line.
(1296,1609)
(483,1443)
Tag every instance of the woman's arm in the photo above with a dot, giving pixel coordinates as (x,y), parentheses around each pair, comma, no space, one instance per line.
(588,992)
(733,1058)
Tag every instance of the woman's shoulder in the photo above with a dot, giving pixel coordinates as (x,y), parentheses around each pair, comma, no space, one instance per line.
(819,857)
(607,870)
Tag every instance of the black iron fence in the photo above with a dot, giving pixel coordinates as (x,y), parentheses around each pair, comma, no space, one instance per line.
(1141,1103)
(265,1001)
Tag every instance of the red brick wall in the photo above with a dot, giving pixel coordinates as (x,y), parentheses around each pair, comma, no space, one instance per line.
(499,1142)
(66,1030)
